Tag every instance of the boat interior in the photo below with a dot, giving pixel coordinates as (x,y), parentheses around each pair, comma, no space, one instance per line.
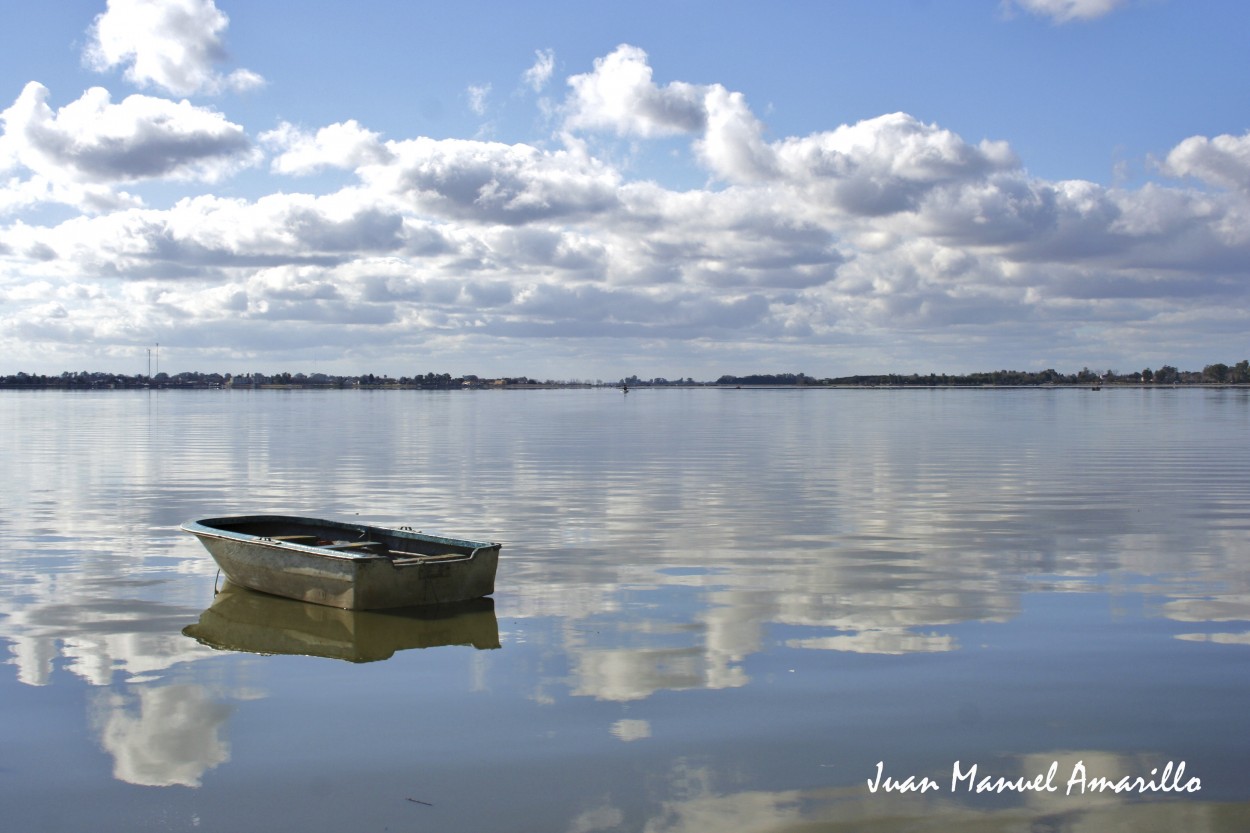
(346,538)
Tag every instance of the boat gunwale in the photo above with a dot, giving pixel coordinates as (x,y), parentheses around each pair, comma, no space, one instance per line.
(204,527)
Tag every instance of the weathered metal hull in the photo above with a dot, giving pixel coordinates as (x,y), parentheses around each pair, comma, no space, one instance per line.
(344,565)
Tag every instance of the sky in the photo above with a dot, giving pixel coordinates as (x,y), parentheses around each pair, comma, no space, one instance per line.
(570,190)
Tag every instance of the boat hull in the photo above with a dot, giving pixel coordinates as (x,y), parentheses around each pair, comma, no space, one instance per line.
(350,566)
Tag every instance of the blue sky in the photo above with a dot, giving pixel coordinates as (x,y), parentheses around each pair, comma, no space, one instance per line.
(571,190)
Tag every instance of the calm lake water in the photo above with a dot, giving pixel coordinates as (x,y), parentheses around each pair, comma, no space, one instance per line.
(717,610)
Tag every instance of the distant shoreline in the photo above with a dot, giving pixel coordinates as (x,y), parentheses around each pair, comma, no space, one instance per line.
(1217,374)
(577,386)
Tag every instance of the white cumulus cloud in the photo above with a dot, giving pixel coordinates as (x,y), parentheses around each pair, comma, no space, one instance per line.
(619,95)
(172,44)
(888,231)
(1223,161)
(76,152)
(492,182)
(886,164)
(346,145)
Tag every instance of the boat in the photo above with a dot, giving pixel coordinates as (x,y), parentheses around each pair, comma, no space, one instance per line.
(243,620)
(347,565)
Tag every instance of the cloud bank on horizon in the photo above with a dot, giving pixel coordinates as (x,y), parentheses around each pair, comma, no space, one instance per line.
(889,243)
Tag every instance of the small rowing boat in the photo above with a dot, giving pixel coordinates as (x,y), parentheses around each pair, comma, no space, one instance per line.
(347,565)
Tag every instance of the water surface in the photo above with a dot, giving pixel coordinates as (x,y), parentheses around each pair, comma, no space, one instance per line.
(716,610)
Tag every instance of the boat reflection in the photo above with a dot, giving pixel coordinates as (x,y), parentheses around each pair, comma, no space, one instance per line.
(244,620)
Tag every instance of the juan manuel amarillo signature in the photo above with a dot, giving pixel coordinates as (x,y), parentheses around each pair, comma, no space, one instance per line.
(1079,781)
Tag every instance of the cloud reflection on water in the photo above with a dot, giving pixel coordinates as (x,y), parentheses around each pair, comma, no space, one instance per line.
(701,800)
(680,546)
(162,735)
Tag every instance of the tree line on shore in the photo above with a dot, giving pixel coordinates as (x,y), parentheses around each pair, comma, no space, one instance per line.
(193,379)
(1217,374)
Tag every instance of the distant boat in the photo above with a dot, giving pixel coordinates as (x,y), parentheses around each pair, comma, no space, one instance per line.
(347,565)
(244,620)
